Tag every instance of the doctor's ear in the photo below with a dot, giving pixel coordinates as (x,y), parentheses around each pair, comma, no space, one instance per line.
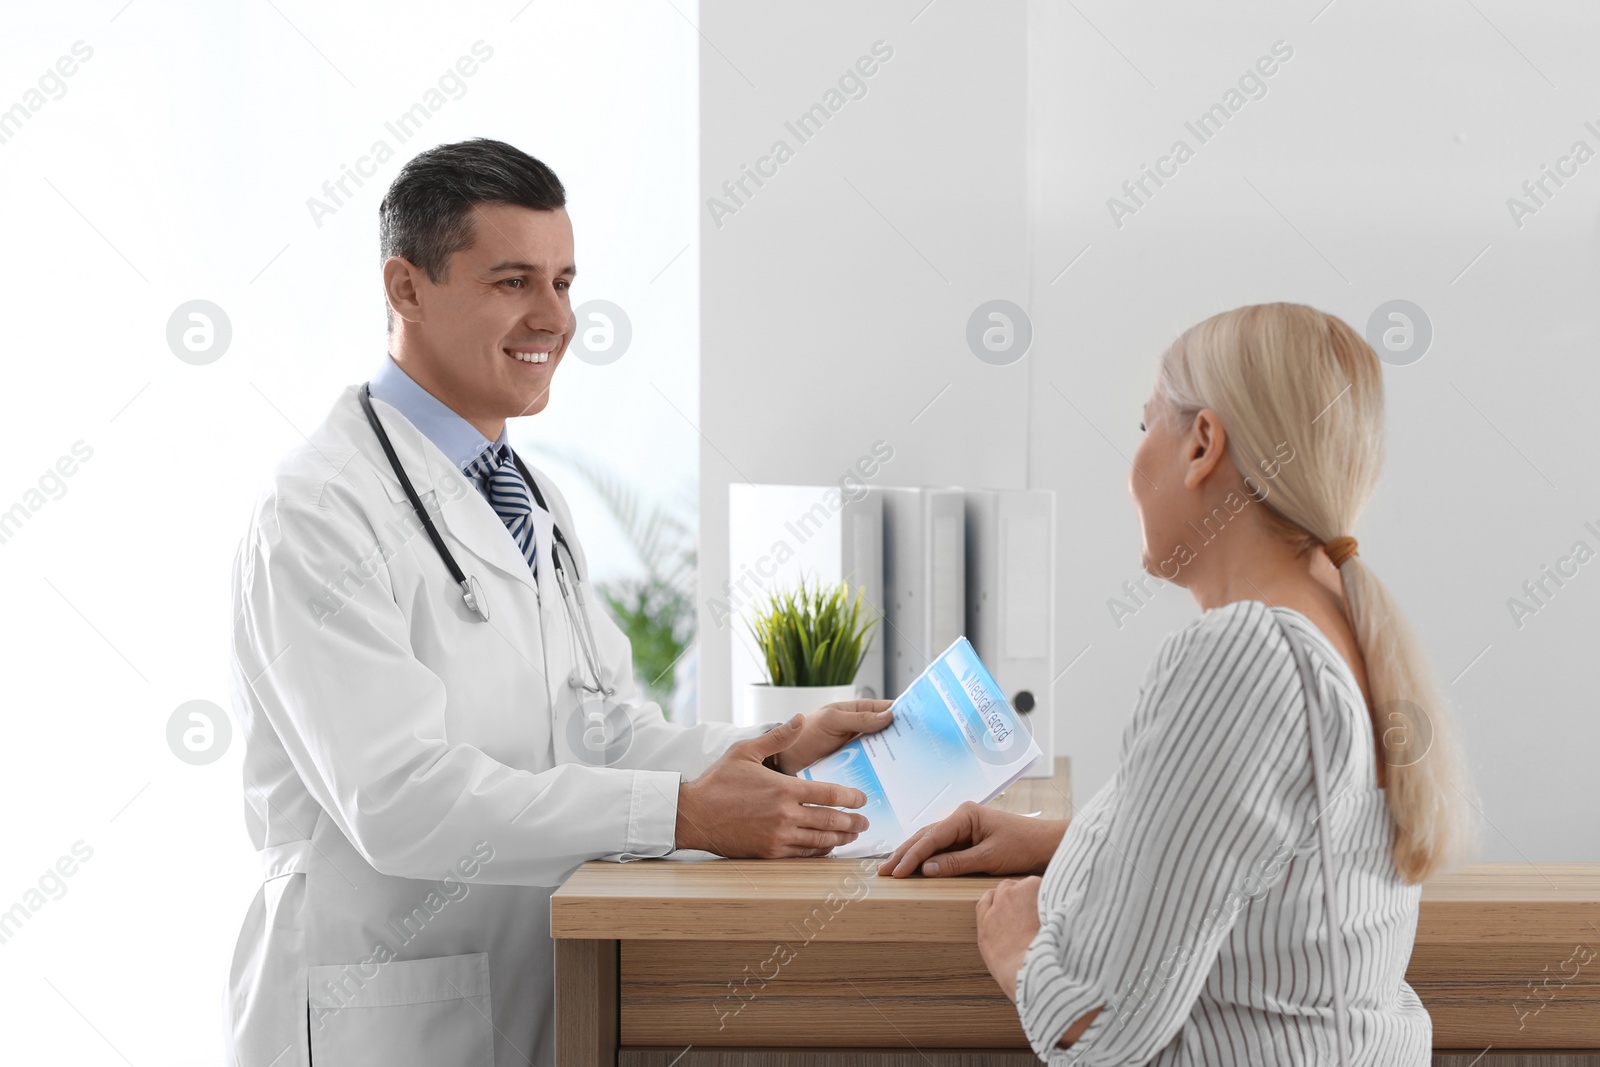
(400,286)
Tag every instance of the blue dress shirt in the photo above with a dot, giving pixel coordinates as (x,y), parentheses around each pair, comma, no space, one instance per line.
(458,439)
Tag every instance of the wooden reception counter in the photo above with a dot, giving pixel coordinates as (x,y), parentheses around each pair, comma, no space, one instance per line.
(702,964)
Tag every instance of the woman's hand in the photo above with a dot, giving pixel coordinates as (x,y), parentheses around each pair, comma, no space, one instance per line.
(1008,920)
(977,840)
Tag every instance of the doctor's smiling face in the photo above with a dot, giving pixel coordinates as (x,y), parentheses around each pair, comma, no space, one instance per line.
(487,338)
(479,261)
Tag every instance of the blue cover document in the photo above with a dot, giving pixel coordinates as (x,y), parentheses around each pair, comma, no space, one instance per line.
(954,738)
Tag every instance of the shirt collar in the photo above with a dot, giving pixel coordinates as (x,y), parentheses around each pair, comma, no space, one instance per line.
(458,439)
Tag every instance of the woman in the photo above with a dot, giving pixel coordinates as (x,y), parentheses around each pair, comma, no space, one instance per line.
(1180,917)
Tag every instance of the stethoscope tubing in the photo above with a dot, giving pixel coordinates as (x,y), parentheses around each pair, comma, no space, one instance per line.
(471,592)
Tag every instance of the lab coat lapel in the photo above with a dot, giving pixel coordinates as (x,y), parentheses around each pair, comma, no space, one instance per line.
(453,501)
(473,520)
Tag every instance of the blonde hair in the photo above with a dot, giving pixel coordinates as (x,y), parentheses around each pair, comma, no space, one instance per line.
(1287,373)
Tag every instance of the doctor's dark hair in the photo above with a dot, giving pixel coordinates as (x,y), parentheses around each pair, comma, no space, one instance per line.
(426,216)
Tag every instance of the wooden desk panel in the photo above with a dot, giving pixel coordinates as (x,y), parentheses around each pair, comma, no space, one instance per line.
(1499,956)
(859,995)
(1503,954)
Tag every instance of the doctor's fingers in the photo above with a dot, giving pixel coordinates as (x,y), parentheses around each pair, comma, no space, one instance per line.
(826,793)
(803,838)
(855,716)
(816,818)
(865,707)
(774,741)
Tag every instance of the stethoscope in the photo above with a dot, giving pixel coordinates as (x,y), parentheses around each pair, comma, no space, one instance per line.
(472,592)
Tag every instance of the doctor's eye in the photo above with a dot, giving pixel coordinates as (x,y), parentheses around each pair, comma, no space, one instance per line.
(563,284)
(508,281)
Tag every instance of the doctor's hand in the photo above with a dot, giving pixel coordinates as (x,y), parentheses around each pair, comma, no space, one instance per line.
(1008,921)
(739,807)
(832,726)
(975,839)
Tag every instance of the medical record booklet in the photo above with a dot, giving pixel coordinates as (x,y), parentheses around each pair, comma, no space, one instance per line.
(954,738)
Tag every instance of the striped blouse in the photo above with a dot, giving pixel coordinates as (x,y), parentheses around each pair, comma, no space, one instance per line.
(1186,895)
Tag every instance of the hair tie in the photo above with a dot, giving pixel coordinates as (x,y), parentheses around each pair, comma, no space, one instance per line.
(1340,549)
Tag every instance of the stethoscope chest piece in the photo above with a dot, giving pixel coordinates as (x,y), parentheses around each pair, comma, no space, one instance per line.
(472,593)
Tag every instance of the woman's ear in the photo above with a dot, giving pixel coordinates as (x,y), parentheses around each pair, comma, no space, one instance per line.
(1203,448)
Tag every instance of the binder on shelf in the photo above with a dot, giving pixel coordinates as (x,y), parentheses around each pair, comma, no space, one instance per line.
(924,588)
(779,534)
(1010,599)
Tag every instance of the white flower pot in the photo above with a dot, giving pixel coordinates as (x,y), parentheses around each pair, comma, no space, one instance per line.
(779,703)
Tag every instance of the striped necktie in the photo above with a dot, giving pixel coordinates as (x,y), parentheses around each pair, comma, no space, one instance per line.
(501,484)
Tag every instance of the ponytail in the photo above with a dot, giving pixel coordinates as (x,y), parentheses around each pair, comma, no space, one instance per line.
(1427,786)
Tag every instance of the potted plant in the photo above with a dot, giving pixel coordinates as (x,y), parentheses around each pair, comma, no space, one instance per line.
(812,641)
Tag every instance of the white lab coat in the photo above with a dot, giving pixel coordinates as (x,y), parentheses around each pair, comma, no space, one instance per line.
(416,779)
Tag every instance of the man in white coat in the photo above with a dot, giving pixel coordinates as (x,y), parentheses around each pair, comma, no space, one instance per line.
(418,777)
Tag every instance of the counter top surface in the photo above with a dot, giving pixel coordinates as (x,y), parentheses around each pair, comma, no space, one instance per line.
(737,900)
(699,895)
(756,899)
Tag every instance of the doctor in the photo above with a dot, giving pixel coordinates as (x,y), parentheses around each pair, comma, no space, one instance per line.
(439,723)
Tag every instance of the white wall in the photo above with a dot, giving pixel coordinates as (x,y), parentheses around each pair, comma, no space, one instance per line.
(1377,166)
(834,301)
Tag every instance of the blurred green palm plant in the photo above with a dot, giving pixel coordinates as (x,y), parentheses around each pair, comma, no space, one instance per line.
(657,611)
(814,635)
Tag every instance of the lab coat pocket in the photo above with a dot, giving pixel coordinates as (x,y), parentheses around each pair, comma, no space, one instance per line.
(428,1011)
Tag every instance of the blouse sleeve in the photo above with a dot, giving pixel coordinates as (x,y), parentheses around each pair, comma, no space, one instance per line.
(1214,791)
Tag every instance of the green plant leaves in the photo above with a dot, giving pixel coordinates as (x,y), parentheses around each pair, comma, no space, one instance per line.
(814,635)
(657,612)
(659,622)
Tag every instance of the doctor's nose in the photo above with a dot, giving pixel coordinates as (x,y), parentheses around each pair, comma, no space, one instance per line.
(547,309)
